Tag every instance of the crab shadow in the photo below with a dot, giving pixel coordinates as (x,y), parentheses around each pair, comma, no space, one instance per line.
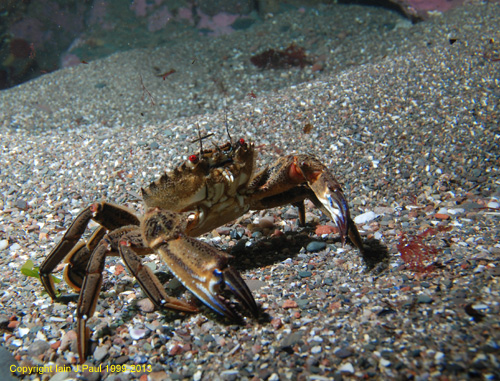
(250,254)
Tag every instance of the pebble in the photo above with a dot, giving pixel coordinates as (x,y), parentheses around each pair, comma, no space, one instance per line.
(4,243)
(424,299)
(146,305)
(101,352)
(365,217)
(38,347)
(346,368)
(138,333)
(325,229)
(316,349)
(229,375)
(384,363)
(315,246)
(493,205)
(343,352)
(290,304)
(6,362)
(304,274)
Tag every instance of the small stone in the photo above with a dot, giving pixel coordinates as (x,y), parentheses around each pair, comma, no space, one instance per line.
(22,331)
(22,204)
(146,305)
(441,216)
(343,352)
(346,368)
(138,333)
(68,339)
(325,229)
(157,376)
(316,349)
(424,299)
(154,145)
(229,375)
(197,375)
(365,217)
(493,205)
(384,363)
(277,323)
(4,243)
(274,377)
(315,246)
(304,274)
(289,304)
(38,347)
(100,353)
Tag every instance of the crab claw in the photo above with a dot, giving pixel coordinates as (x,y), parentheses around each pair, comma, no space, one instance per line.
(239,288)
(201,268)
(327,190)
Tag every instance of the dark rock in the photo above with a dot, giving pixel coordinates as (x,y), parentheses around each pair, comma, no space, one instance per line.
(343,352)
(315,246)
(6,361)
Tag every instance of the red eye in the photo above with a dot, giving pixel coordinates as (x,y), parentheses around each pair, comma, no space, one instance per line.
(193,159)
(242,142)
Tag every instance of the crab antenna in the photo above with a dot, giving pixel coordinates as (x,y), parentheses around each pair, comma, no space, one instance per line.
(227,126)
(200,139)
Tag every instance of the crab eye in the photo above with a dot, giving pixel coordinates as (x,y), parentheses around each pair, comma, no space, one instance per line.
(242,142)
(193,159)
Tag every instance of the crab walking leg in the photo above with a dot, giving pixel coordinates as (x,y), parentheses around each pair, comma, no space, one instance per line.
(89,294)
(201,268)
(67,243)
(130,247)
(106,214)
(78,259)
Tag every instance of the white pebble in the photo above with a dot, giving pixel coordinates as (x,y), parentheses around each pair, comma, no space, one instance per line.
(316,349)
(365,217)
(197,375)
(456,211)
(23,332)
(137,333)
(384,363)
(346,368)
(4,243)
(14,247)
(439,357)
(493,205)
(480,306)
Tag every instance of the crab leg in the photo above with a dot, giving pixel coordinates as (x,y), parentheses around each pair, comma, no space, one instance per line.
(92,281)
(107,215)
(78,259)
(201,268)
(131,247)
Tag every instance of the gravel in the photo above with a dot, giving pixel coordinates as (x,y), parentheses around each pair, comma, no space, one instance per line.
(406,116)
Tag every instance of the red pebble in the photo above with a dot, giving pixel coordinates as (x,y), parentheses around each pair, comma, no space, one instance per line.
(290,304)
(325,229)
(277,323)
(442,216)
